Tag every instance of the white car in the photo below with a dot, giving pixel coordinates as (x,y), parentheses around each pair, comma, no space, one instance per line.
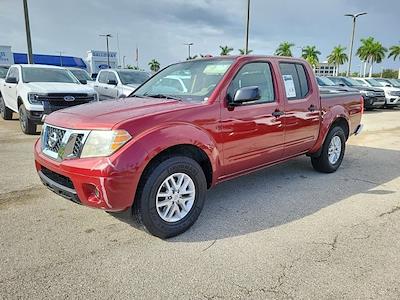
(392,94)
(37,90)
(118,83)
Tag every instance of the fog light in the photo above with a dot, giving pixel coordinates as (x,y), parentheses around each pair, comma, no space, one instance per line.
(97,193)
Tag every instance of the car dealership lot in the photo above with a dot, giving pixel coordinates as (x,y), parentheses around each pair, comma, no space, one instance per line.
(283,232)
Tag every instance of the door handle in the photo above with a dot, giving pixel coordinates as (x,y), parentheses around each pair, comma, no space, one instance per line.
(311,108)
(106,88)
(278,113)
(96,86)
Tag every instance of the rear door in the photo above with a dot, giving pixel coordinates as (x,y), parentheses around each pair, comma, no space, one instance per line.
(252,136)
(302,108)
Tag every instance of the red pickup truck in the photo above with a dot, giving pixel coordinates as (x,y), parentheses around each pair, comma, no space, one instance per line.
(191,126)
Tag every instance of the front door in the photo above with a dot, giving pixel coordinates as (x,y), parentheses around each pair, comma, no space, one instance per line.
(10,89)
(252,133)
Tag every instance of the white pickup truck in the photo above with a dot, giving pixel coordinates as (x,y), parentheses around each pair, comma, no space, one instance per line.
(37,90)
(118,83)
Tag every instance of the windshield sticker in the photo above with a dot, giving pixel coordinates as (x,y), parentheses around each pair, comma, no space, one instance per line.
(289,86)
(216,69)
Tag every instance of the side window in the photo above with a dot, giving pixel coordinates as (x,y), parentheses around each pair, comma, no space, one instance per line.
(112,76)
(13,73)
(295,80)
(103,77)
(254,74)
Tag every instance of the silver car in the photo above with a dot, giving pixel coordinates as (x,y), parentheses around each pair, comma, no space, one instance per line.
(118,83)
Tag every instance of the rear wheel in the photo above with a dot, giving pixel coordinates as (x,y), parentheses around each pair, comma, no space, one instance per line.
(171,197)
(27,126)
(332,152)
(5,112)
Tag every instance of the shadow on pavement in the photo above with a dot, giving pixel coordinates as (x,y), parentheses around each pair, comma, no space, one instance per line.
(285,193)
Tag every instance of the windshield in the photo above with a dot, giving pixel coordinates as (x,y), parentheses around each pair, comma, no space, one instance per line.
(395,82)
(360,82)
(323,81)
(193,80)
(384,82)
(32,74)
(3,72)
(353,82)
(374,82)
(81,74)
(133,77)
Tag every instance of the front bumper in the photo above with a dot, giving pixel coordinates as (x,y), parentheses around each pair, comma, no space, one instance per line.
(393,101)
(93,182)
(372,102)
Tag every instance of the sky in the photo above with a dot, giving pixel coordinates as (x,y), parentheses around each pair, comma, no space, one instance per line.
(160,28)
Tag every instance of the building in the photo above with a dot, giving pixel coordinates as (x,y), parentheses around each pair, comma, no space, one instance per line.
(325,69)
(6,57)
(97,60)
(53,60)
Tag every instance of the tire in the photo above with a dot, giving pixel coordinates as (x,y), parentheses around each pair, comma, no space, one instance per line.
(153,185)
(323,163)
(5,112)
(27,126)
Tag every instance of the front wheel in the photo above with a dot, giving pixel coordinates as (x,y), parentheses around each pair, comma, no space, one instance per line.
(332,152)
(171,197)
(27,126)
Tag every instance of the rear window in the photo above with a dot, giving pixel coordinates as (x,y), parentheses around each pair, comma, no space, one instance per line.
(295,80)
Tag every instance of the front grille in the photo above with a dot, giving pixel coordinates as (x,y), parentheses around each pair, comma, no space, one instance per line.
(78,145)
(379,94)
(54,137)
(60,97)
(60,143)
(58,178)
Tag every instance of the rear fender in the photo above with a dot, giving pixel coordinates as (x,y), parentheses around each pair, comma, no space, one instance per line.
(327,120)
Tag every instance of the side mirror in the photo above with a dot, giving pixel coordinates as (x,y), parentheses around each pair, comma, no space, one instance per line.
(342,84)
(83,81)
(12,80)
(112,82)
(388,85)
(246,94)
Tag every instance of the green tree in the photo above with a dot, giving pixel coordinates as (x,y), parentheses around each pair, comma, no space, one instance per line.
(284,49)
(243,51)
(225,50)
(370,52)
(337,57)
(395,53)
(154,65)
(310,54)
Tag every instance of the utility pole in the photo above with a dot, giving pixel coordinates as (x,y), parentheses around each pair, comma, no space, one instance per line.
(28,33)
(246,42)
(61,63)
(108,50)
(189,45)
(354,17)
(123,62)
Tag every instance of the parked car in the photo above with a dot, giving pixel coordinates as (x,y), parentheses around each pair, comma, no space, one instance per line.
(373,97)
(394,82)
(3,73)
(392,94)
(326,84)
(160,150)
(118,83)
(82,75)
(37,90)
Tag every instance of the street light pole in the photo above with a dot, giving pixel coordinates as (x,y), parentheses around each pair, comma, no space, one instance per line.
(108,50)
(189,45)
(28,33)
(354,16)
(246,42)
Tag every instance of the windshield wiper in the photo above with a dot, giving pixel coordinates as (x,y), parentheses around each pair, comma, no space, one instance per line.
(162,96)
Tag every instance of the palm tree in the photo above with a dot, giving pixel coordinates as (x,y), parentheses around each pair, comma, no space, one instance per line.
(337,57)
(395,52)
(284,49)
(371,51)
(310,54)
(154,65)
(225,50)
(242,51)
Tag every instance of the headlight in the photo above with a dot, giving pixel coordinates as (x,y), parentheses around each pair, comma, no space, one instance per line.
(104,143)
(394,93)
(367,93)
(35,98)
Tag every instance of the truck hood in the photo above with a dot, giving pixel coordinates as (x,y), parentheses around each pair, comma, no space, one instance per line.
(58,87)
(107,114)
(368,89)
